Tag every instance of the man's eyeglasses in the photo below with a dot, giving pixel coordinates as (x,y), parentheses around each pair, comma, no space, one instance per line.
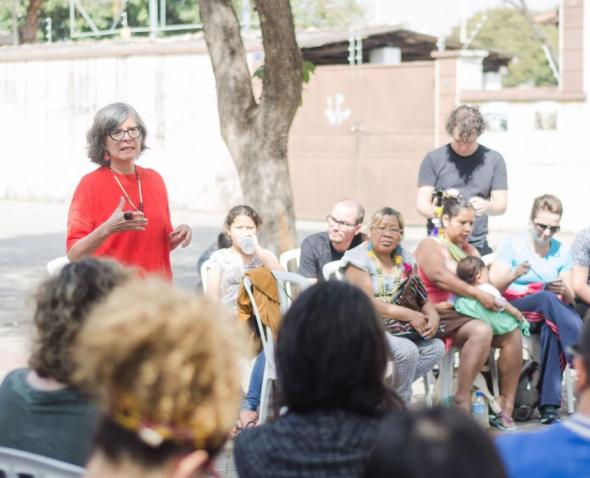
(333,222)
(544,227)
(390,229)
(119,134)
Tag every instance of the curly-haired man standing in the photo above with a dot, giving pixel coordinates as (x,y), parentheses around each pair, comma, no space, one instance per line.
(476,172)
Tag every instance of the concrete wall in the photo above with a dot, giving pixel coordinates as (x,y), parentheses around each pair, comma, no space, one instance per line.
(543,161)
(48,98)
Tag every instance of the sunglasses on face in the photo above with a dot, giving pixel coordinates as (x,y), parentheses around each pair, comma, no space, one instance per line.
(544,227)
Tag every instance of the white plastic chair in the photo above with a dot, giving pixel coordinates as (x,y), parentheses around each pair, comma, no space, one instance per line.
(291,255)
(54,266)
(446,369)
(332,270)
(285,300)
(205,266)
(19,464)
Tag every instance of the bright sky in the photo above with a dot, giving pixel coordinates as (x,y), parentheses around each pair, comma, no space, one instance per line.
(435,17)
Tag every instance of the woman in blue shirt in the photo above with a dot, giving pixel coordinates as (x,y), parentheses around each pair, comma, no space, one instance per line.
(535,268)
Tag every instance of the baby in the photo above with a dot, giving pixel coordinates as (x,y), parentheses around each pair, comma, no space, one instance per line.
(474,271)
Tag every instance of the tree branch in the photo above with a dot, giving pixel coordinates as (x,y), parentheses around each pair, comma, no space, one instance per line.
(522,7)
(235,98)
(283,64)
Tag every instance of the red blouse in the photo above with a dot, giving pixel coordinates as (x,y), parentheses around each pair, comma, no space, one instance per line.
(95,200)
(435,293)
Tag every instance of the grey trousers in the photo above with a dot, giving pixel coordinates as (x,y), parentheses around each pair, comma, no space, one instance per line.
(411,360)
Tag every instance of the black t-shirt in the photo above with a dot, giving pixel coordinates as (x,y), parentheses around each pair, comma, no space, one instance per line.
(317,251)
(476,175)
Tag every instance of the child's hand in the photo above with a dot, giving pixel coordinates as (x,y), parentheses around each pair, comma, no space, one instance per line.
(520,316)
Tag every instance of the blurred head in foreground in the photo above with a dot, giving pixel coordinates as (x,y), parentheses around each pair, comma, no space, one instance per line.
(441,442)
(164,365)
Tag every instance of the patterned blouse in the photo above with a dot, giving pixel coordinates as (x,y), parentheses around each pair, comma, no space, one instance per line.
(231,269)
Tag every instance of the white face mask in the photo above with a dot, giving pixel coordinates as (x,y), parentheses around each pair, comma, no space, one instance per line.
(535,235)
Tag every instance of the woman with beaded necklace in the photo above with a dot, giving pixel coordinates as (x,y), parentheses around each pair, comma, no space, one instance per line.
(379,266)
(121,210)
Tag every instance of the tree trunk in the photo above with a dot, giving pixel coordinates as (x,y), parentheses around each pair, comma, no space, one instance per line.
(28,32)
(257,134)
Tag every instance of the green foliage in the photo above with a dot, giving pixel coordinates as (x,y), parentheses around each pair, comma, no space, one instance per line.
(307,13)
(308,70)
(507,31)
(326,13)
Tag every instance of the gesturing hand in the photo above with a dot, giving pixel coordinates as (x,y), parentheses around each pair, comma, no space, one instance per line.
(117,222)
(183,234)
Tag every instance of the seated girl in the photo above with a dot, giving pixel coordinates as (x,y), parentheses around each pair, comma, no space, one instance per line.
(228,266)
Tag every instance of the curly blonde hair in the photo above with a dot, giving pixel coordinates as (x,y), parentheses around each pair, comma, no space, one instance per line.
(62,306)
(164,365)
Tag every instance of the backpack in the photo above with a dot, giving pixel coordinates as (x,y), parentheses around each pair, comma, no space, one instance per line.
(527,391)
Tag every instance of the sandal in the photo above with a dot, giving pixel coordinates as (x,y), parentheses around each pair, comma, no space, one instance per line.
(502,422)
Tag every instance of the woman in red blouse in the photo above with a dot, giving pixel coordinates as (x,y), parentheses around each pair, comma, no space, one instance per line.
(120,210)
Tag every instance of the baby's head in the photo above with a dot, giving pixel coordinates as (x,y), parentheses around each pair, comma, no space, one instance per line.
(472,270)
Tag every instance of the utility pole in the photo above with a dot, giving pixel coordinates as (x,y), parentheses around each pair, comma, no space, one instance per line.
(246,16)
(153,7)
(14,24)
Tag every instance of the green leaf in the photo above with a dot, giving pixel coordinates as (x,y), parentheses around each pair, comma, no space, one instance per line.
(259,73)
(308,69)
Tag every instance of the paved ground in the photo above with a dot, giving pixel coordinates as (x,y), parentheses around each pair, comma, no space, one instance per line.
(33,233)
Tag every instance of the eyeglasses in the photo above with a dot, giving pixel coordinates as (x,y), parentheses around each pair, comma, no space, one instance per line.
(332,222)
(544,227)
(119,134)
(390,229)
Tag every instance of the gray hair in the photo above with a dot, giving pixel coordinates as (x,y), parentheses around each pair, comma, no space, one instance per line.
(468,120)
(107,119)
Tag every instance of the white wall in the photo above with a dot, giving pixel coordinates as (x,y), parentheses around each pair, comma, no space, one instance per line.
(46,107)
(543,161)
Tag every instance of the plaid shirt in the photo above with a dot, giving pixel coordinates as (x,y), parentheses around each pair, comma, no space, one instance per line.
(319,445)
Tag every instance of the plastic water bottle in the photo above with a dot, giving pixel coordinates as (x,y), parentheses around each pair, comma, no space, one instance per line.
(247,245)
(479,409)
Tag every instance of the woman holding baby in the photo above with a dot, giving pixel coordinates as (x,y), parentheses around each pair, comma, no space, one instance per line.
(437,259)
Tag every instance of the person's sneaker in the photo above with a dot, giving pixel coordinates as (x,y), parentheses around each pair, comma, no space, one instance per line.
(502,422)
(549,414)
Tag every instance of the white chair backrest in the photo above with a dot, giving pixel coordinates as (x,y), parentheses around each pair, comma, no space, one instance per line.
(205,266)
(17,464)
(285,282)
(285,299)
(331,270)
(54,266)
(264,332)
(291,255)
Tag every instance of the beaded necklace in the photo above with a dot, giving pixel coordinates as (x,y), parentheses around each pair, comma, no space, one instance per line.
(131,203)
(398,269)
